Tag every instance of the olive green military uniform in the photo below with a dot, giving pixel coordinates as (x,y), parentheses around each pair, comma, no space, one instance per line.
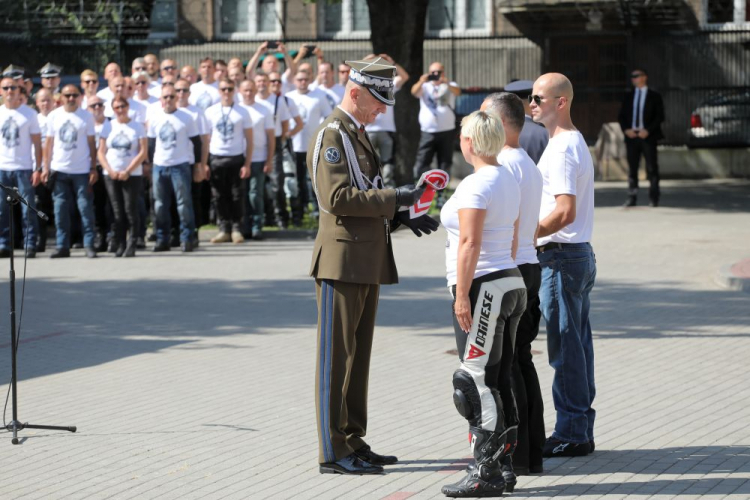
(352,258)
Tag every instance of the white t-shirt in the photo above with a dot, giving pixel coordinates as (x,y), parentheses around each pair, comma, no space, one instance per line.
(262,120)
(16,128)
(148,101)
(204,95)
(136,111)
(567,168)
(123,144)
(281,112)
(42,119)
(172,132)
(495,190)
(384,122)
(228,125)
(311,112)
(436,108)
(322,97)
(334,95)
(154,89)
(106,94)
(70,151)
(200,121)
(530,182)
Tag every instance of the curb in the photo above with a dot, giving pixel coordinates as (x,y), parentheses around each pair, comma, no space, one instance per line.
(285,234)
(735,276)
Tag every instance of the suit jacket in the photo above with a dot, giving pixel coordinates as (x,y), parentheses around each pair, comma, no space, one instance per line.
(533,139)
(653,113)
(352,244)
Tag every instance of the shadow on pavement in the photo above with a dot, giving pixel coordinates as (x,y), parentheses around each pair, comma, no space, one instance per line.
(717,196)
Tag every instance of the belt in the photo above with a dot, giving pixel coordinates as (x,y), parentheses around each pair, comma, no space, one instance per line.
(553,245)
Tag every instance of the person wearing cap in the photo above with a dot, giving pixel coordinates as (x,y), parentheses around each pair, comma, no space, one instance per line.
(19,130)
(437,119)
(352,257)
(50,74)
(534,137)
(640,117)
(383,130)
(14,72)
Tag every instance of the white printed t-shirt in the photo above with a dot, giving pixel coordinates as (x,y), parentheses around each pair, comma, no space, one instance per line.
(495,190)
(204,95)
(228,125)
(172,132)
(312,114)
(16,128)
(262,120)
(123,144)
(529,181)
(567,168)
(70,151)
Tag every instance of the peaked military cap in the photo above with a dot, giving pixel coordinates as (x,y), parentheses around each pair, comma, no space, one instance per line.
(522,87)
(376,77)
(50,70)
(13,71)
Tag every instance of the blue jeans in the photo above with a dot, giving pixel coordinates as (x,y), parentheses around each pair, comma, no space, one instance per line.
(568,275)
(256,189)
(69,189)
(177,180)
(22,180)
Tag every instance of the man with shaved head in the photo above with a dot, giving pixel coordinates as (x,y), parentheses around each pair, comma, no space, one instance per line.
(111,70)
(566,223)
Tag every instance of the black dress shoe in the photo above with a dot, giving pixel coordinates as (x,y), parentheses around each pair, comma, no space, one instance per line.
(186,246)
(161,247)
(653,203)
(174,242)
(130,250)
(77,245)
(536,469)
(592,446)
(630,202)
(59,253)
(120,251)
(140,244)
(5,253)
(31,253)
(90,253)
(350,465)
(369,456)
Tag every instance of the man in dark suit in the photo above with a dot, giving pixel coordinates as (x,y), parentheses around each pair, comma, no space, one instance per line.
(353,256)
(641,115)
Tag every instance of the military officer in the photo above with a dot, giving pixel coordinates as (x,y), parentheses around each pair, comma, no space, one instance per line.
(352,257)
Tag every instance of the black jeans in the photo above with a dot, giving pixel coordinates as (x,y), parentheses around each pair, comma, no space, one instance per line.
(531,436)
(275,203)
(441,143)
(647,148)
(124,197)
(228,191)
(299,203)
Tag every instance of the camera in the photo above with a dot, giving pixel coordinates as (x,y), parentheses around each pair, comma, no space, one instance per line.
(310,48)
(434,76)
(272,45)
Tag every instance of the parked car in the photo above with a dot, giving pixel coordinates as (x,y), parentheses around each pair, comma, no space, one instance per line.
(722,120)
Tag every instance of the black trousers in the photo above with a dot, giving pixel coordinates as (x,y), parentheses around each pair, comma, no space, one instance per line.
(429,144)
(299,203)
(123,196)
(531,435)
(228,191)
(275,202)
(646,148)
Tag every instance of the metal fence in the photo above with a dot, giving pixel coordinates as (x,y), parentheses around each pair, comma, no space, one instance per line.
(688,69)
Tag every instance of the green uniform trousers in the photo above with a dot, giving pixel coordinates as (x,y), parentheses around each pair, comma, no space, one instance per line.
(346,320)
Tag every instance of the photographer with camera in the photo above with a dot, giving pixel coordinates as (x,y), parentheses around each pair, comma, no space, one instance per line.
(437,118)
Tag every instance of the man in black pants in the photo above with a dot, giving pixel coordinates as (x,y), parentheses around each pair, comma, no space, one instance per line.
(640,117)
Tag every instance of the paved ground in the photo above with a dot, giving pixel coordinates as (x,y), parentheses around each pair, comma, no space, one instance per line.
(191,376)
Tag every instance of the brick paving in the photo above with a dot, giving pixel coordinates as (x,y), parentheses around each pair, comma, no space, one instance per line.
(191,376)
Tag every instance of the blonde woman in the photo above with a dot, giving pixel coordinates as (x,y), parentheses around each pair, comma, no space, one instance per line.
(489,298)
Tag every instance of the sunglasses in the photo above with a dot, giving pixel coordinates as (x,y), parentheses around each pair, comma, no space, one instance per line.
(538,99)
(168,97)
(11,87)
(142,82)
(275,81)
(169,68)
(226,89)
(89,82)
(97,105)
(182,91)
(71,96)
(636,75)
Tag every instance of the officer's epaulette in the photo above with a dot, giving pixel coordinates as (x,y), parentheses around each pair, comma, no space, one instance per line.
(335,123)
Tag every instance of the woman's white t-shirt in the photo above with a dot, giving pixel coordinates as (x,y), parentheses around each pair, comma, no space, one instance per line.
(495,190)
(123,144)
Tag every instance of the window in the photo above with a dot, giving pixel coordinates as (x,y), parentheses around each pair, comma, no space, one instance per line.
(164,18)
(243,19)
(470,16)
(344,18)
(727,13)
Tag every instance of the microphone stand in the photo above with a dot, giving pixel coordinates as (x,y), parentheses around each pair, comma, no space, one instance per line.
(13,197)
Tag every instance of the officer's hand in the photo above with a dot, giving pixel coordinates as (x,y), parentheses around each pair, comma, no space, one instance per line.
(408,195)
(422,224)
